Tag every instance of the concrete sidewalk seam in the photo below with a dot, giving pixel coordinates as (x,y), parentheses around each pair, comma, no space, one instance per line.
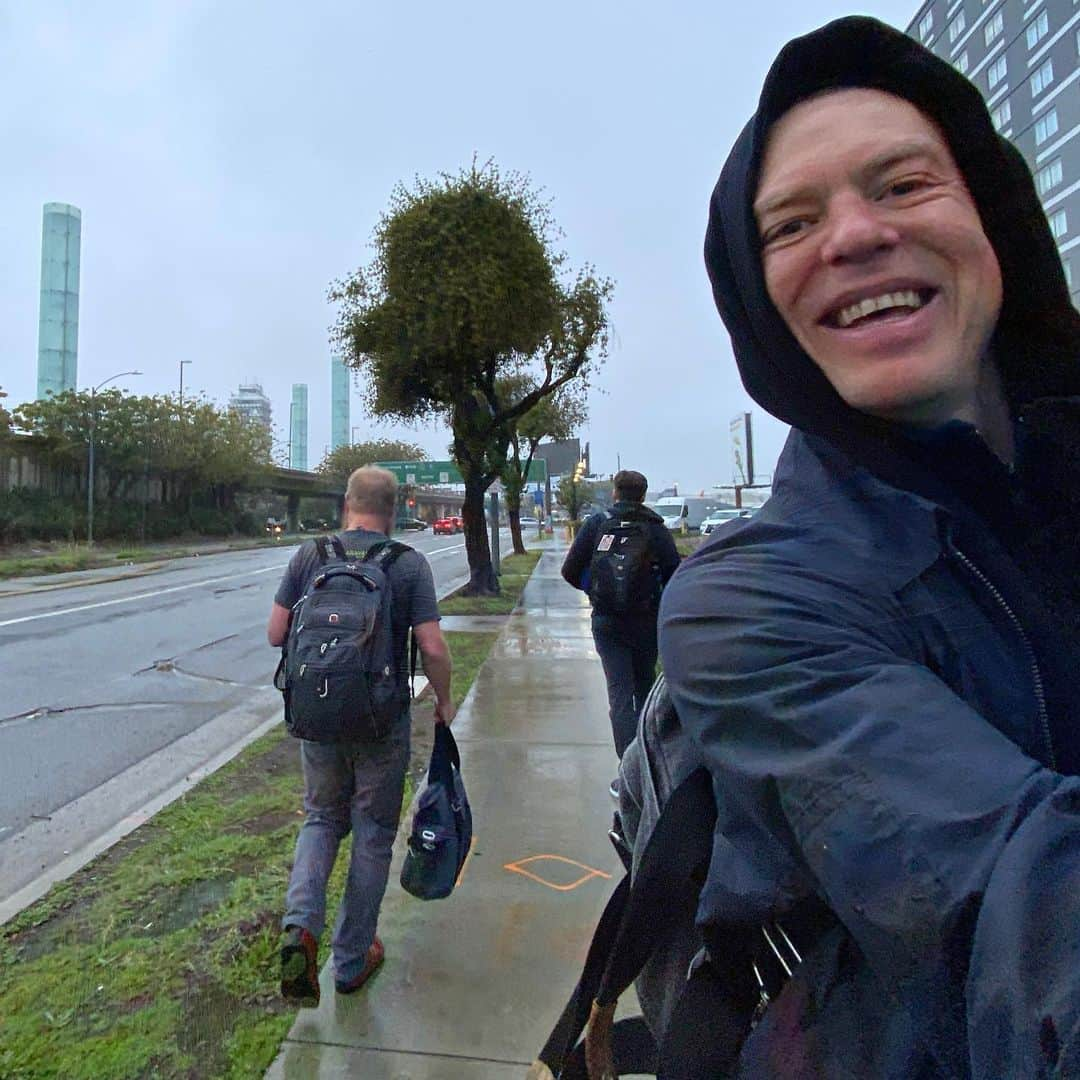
(405,1053)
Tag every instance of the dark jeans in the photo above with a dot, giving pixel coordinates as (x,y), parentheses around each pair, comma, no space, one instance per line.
(627,648)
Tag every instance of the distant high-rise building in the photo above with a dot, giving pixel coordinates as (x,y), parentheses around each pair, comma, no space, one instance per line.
(250,401)
(58,315)
(339,403)
(298,427)
(1022,55)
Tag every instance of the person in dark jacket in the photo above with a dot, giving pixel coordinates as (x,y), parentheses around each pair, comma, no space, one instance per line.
(626,641)
(879,669)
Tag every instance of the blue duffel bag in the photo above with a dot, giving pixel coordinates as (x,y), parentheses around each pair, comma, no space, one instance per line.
(442,825)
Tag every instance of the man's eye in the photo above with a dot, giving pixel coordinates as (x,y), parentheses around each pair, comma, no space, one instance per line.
(899,188)
(785,230)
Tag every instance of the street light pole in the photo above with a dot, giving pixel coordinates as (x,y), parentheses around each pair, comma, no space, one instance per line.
(182,363)
(90,460)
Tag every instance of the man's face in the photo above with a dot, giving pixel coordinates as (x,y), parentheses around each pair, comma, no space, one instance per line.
(875,256)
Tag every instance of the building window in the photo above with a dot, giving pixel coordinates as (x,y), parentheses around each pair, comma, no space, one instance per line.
(1042,78)
(1066,265)
(1049,176)
(997,71)
(926,24)
(957,27)
(993,27)
(1002,115)
(1046,127)
(1059,224)
(962,62)
(1037,29)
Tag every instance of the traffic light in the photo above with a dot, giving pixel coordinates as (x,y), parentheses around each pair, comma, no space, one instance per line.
(412,504)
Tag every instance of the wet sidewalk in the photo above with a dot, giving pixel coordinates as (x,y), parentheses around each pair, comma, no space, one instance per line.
(472,984)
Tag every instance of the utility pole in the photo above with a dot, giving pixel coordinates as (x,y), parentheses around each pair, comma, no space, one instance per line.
(90,460)
(182,363)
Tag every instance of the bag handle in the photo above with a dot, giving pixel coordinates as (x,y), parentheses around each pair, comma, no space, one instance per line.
(444,758)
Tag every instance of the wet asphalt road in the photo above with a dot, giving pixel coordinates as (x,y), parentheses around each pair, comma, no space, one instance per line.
(98,677)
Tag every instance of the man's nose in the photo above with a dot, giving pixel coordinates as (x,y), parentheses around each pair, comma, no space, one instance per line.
(856,230)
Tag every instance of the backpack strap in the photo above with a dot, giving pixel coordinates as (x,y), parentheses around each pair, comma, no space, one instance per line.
(339,548)
(384,553)
(322,546)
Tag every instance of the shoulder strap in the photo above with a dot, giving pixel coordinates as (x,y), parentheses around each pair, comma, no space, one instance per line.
(384,553)
(321,549)
(339,548)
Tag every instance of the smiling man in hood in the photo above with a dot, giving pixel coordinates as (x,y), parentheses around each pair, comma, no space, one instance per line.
(879,669)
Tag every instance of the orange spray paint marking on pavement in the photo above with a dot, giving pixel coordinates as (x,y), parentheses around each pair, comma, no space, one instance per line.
(590,872)
(465,862)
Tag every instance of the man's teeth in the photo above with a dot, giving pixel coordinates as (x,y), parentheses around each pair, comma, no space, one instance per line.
(907,299)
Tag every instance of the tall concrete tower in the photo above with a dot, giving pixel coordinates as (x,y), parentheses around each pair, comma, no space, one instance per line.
(58,320)
(298,427)
(339,403)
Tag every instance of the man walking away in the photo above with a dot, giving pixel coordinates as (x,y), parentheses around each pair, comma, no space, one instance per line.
(355,785)
(623,558)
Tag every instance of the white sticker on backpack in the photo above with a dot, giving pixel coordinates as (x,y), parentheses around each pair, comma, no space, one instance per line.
(606,542)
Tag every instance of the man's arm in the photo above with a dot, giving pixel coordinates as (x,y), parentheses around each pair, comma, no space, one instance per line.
(437,668)
(667,554)
(278,628)
(949,855)
(579,556)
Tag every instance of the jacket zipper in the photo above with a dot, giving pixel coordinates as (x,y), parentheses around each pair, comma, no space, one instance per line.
(1036,675)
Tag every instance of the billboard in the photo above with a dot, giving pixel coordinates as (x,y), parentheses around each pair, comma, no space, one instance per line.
(742,451)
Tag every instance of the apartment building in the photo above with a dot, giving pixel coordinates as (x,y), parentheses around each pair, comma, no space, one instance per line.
(1024,56)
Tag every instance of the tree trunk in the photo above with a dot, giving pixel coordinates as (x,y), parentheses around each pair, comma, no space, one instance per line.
(513,512)
(482,579)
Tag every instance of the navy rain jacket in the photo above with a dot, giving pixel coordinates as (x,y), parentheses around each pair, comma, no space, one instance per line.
(873,669)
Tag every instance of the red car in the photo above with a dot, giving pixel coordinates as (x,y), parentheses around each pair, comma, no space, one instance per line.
(444,525)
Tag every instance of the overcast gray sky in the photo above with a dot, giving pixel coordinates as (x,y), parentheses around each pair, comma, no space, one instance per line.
(231,159)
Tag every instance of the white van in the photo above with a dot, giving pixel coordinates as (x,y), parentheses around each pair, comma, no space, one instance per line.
(677,510)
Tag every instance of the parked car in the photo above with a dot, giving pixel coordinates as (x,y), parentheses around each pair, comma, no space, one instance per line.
(444,526)
(411,524)
(720,517)
(528,522)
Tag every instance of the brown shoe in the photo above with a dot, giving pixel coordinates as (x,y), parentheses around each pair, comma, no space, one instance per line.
(300,967)
(375,956)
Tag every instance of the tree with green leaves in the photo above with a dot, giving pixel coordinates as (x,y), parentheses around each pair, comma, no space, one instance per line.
(557,416)
(573,494)
(195,451)
(342,461)
(466,288)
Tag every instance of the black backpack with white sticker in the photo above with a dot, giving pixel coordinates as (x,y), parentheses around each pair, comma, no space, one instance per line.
(622,575)
(337,670)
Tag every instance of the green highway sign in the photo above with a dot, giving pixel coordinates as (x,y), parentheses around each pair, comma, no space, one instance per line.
(447,472)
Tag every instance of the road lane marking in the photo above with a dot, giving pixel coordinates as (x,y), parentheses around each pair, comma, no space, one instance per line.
(140,596)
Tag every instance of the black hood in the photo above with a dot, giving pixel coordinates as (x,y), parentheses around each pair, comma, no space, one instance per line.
(1035,344)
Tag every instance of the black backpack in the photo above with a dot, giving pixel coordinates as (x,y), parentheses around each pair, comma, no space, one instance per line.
(701,993)
(337,670)
(622,577)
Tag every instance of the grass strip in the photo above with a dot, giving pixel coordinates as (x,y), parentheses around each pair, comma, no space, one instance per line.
(516,570)
(70,557)
(159,958)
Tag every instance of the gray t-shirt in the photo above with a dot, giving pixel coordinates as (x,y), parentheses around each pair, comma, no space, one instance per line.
(412,588)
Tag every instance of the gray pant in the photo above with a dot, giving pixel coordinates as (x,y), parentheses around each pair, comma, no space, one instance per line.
(353,787)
